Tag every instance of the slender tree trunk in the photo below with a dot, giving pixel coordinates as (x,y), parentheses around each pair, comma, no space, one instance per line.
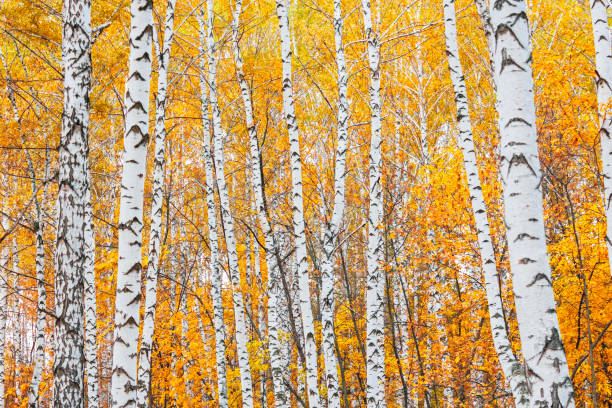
(299,227)
(213,239)
(603,76)
(73,189)
(511,367)
(39,336)
(144,359)
(332,228)
(4,252)
(41,314)
(136,138)
(91,315)
(375,304)
(545,361)
(226,215)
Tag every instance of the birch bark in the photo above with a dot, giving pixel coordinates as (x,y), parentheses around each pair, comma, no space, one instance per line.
(144,358)
(603,78)
(5,258)
(213,239)
(332,228)
(375,365)
(546,365)
(510,365)
(299,227)
(230,237)
(129,269)
(73,188)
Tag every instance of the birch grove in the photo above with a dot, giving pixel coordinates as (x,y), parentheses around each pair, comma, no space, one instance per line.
(346,204)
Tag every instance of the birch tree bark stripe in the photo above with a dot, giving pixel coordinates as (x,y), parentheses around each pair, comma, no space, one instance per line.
(509,364)
(546,364)
(332,229)
(603,77)
(144,359)
(375,292)
(73,188)
(212,230)
(299,227)
(136,138)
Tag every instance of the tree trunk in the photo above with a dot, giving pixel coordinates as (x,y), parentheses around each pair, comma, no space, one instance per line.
(510,366)
(545,361)
(73,189)
(213,239)
(603,77)
(136,138)
(144,360)
(375,365)
(228,221)
(332,228)
(299,228)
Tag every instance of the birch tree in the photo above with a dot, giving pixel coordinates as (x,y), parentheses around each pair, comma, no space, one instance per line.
(546,365)
(91,316)
(144,358)
(73,186)
(375,292)
(213,239)
(271,250)
(603,79)
(299,227)
(4,259)
(332,228)
(129,269)
(228,221)
(509,364)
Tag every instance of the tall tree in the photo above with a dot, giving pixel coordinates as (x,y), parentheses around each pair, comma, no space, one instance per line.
(603,77)
(227,217)
(299,225)
(213,239)
(73,189)
(146,343)
(546,365)
(129,269)
(375,365)
(271,247)
(333,226)
(511,367)
(4,266)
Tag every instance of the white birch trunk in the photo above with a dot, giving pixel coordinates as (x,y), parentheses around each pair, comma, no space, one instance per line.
(136,138)
(230,237)
(546,364)
(148,327)
(73,188)
(3,306)
(41,322)
(299,228)
(213,239)
(91,315)
(332,229)
(273,288)
(510,366)
(375,350)
(39,336)
(603,76)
